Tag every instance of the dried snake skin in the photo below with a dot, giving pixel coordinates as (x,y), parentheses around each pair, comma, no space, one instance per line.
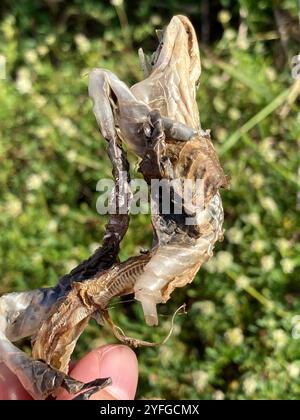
(157,119)
(171,88)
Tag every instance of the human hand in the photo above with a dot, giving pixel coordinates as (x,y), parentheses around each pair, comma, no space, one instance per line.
(116,361)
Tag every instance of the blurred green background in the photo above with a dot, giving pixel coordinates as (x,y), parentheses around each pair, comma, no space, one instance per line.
(240,336)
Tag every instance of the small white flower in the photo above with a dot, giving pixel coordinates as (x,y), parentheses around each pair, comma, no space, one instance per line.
(31,56)
(293,370)
(63,210)
(34,182)
(45,176)
(50,39)
(287,265)
(235,235)
(200,380)
(52,225)
(66,126)
(267,148)
(267,263)
(39,100)
(71,155)
(219,105)
(206,307)
(242,282)
(224,16)
(13,207)
(252,218)
(210,266)
(23,81)
(269,204)
(270,324)
(234,337)
(234,114)
(31,198)
(283,245)
(8,27)
(250,385)
(234,385)
(218,395)
(42,132)
(216,82)
(223,261)
(222,133)
(258,246)
(230,299)
(155,20)
(82,43)
(42,50)
(280,338)
(229,34)
(257,180)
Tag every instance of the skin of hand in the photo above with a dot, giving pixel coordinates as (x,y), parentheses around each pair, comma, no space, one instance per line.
(116,361)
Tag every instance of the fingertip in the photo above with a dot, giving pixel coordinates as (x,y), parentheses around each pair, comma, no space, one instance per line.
(118,362)
(10,386)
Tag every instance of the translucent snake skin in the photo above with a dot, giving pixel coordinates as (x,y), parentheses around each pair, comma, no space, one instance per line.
(158,120)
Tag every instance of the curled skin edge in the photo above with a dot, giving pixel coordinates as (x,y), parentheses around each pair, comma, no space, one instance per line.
(135,342)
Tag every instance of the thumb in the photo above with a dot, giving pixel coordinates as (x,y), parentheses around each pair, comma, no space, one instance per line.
(115,361)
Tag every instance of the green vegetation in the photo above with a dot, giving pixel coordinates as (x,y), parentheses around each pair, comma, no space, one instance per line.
(236,340)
